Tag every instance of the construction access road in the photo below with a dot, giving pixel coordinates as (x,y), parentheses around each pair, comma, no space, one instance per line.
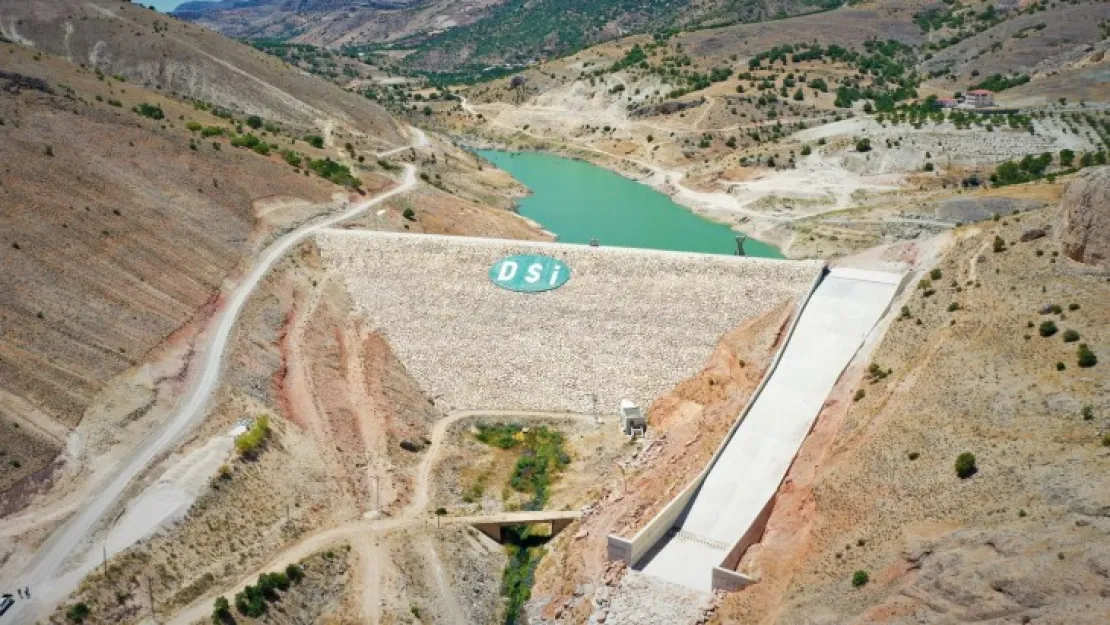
(834,324)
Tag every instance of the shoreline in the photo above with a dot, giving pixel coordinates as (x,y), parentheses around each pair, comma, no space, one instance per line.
(656,178)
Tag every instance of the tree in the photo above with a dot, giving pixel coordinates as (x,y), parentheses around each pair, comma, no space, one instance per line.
(1067,157)
(409,214)
(863,145)
(221,611)
(798,95)
(1048,328)
(965,465)
(254,122)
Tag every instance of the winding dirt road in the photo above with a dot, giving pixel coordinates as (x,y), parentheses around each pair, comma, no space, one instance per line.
(44,571)
(360,533)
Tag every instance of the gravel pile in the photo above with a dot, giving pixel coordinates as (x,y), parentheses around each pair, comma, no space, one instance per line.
(628,324)
(645,600)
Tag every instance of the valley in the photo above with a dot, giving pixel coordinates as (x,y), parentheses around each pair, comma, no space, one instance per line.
(341,322)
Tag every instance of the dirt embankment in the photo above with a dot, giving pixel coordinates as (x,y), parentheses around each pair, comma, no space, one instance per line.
(686,426)
(1025,538)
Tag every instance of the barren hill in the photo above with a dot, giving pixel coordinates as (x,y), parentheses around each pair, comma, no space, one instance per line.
(164,54)
(118,230)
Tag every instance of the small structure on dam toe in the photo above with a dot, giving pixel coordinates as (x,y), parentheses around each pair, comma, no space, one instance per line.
(633,421)
(518,325)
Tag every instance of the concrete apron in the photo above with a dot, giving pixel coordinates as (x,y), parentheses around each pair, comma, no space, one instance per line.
(726,514)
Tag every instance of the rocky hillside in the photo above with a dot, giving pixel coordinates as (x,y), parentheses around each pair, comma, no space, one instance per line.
(986,358)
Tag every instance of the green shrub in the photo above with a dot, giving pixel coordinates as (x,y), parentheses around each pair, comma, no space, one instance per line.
(501,435)
(152,111)
(953,307)
(965,465)
(935,274)
(999,244)
(193,126)
(1070,336)
(1088,412)
(409,214)
(78,612)
(291,157)
(1087,358)
(1047,328)
(333,171)
(1060,366)
(248,141)
(860,394)
(254,122)
(211,131)
(294,573)
(386,165)
(315,141)
(1106,440)
(1073,306)
(250,441)
(860,578)
(863,145)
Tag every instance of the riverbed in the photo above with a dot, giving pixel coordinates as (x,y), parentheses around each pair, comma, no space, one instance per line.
(579,202)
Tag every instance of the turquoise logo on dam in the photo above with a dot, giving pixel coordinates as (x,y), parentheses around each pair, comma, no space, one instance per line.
(529,273)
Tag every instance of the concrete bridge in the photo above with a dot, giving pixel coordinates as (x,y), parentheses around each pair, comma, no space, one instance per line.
(492,525)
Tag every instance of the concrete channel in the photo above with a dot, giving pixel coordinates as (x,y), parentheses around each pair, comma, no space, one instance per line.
(698,539)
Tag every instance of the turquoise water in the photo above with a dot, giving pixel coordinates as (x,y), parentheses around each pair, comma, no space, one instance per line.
(579,201)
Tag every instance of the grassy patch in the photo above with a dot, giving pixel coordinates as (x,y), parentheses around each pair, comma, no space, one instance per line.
(542,457)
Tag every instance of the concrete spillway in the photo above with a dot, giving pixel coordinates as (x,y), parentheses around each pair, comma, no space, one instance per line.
(713,517)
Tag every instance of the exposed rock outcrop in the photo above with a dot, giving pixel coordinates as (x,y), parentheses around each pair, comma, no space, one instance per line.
(1085,218)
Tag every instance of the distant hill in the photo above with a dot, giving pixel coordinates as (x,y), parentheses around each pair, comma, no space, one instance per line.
(164,54)
(475,34)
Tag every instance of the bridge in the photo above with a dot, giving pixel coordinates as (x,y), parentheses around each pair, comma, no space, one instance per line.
(492,525)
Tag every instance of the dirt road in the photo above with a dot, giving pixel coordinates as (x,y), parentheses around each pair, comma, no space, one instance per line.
(43,571)
(360,533)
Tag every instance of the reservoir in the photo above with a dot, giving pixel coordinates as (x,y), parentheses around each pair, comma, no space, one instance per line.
(579,201)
